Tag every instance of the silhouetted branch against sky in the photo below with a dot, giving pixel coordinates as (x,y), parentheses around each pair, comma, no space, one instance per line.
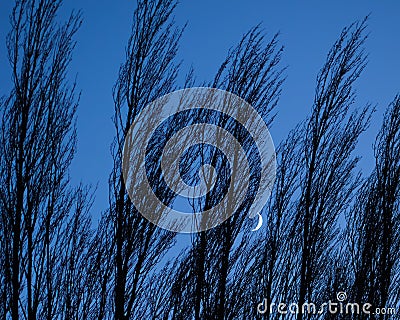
(44,218)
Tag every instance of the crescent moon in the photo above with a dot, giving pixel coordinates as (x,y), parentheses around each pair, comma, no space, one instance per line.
(260,222)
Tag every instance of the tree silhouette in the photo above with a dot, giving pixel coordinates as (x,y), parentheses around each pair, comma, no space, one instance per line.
(327,184)
(203,287)
(43,219)
(374,222)
(148,72)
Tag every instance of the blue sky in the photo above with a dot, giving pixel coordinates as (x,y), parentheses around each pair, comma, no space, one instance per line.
(308,29)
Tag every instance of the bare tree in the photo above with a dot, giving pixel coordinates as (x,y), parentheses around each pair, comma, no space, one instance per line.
(44,219)
(373,224)
(149,72)
(204,286)
(314,187)
(270,257)
(332,133)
